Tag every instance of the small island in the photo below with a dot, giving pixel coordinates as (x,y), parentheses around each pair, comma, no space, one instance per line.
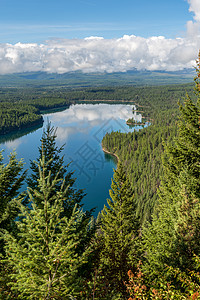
(132,122)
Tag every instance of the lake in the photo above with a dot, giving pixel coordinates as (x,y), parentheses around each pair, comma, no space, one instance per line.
(81,128)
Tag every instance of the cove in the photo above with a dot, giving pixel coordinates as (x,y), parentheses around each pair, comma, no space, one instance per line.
(81,128)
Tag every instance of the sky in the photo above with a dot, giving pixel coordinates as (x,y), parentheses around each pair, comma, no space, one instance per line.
(58,36)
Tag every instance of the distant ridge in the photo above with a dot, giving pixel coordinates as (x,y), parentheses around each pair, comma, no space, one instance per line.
(79,79)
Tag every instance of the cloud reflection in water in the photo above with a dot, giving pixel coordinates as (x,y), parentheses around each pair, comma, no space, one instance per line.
(83,117)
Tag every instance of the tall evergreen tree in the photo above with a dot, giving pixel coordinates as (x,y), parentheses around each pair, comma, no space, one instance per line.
(53,154)
(74,196)
(11,180)
(118,234)
(43,257)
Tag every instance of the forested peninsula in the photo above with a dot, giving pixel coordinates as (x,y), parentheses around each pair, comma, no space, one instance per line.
(145,243)
(16,115)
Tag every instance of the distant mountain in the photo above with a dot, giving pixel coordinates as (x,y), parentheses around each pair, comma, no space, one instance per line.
(79,79)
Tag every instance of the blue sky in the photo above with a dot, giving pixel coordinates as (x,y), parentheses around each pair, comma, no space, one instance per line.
(38,20)
(59,36)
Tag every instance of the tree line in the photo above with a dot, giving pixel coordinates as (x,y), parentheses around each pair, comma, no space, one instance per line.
(18,116)
(23,107)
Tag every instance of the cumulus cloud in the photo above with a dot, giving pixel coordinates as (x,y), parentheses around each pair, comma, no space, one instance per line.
(101,55)
(195,8)
(96,54)
(193,27)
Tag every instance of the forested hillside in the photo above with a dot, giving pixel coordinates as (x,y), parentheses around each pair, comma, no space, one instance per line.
(141,151)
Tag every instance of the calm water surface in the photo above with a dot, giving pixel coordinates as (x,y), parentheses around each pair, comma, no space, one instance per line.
(81,128)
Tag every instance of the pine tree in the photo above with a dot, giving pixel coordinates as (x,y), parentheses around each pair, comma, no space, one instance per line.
(188,222)
(11,180)
(43,257)
(173,237)
(74,196)
(119,230)
(53,154)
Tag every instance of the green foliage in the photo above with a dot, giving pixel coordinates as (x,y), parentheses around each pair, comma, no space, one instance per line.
(43,256)
(73,196)
(118,237)
(48,247)
(139,287)
(173,237)
(71,80)
(141,154)
(18,116)
(52,153)
(22,107)
(141,151)
(11,180)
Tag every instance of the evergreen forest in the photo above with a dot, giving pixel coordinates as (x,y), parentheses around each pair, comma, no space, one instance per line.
(145,243)
(22,107)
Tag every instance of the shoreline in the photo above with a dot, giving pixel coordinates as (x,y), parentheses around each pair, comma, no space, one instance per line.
(43,111)
(22,128)
(135,124)
(108,152)
(107,100)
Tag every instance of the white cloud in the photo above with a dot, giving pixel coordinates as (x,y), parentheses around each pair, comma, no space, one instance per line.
(195,8)
(101,55)
(96,54)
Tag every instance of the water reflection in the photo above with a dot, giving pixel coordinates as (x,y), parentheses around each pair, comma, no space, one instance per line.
(81,128)
(83,118)
(13,144)
(16,135)
(80,113)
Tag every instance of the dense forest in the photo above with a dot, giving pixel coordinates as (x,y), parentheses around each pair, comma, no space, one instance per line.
(15,116)
(141,151)
(79,79)
(23,107)
(144,244)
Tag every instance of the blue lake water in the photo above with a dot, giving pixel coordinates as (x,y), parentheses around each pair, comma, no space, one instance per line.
(81,128)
